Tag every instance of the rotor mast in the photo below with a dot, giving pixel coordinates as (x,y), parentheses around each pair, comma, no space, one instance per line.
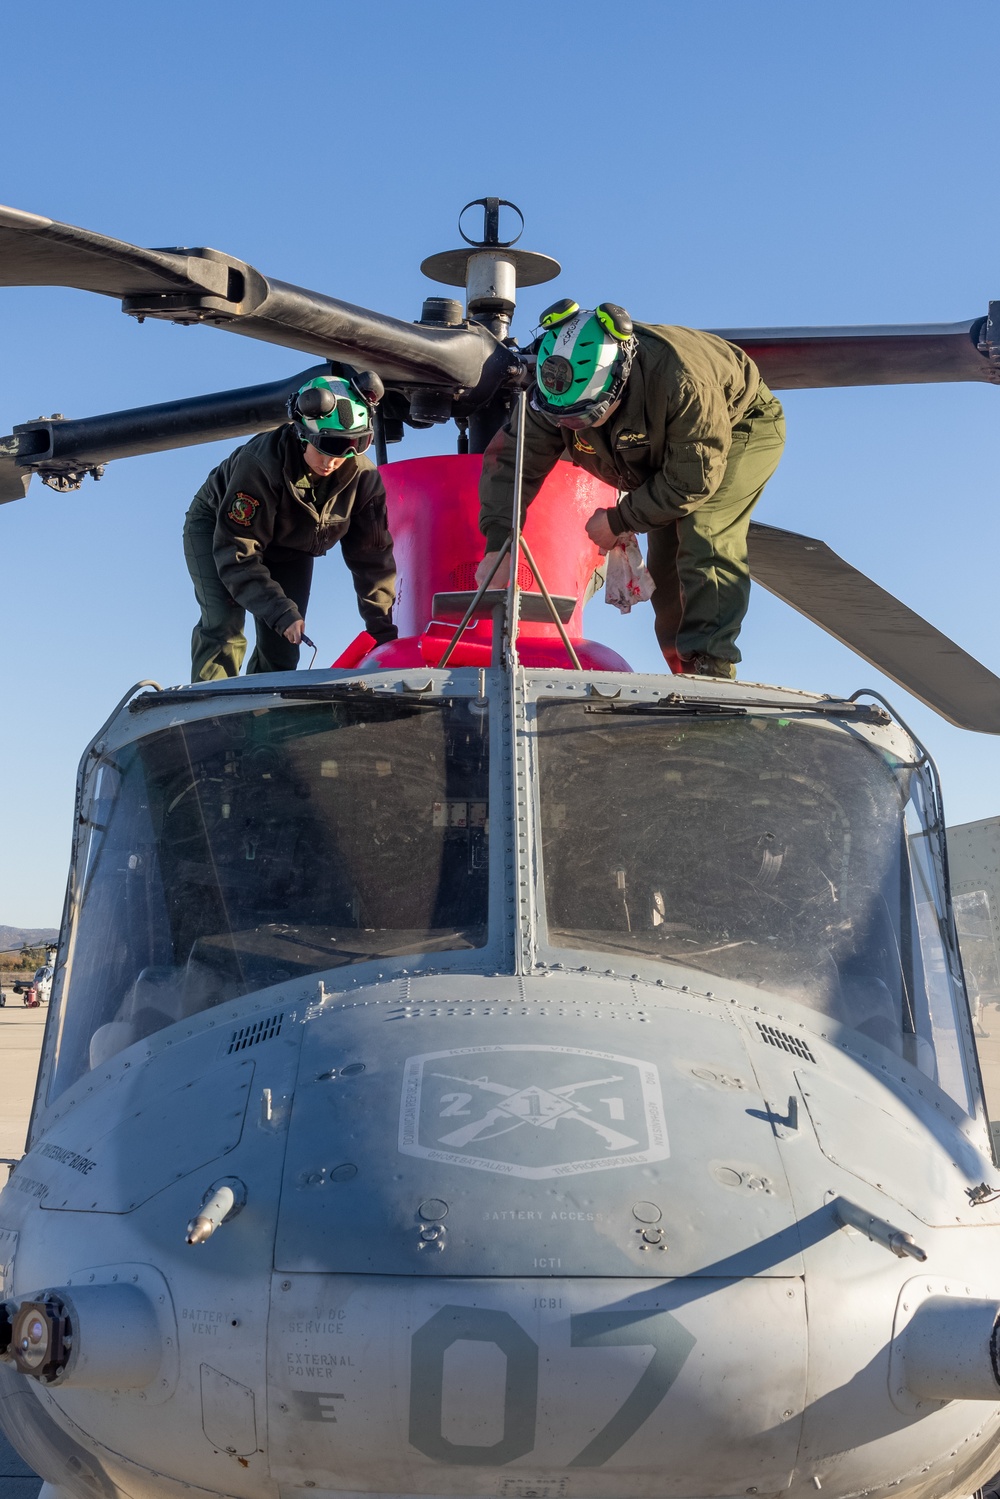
(491,270)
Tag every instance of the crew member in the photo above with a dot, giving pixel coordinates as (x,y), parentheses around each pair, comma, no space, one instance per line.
(273,505)
(681,424)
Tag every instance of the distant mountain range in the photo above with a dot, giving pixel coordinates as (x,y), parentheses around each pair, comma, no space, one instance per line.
(26,936)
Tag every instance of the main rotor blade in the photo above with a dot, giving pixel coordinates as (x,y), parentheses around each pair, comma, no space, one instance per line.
(810,577)
(208,286)
(803,358)
(69,448)
(36,251)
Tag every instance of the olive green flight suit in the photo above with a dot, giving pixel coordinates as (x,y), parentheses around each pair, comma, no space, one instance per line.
(699,561)
(218,644)
(695,438)
(250,537)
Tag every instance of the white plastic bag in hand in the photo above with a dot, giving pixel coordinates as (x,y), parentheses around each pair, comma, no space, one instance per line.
(627,581)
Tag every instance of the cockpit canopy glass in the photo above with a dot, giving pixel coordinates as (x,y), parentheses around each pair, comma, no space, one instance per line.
(789,855)
(231,853)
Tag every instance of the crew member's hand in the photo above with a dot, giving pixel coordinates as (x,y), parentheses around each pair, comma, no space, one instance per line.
(600,532)
(295,632)
(502,575)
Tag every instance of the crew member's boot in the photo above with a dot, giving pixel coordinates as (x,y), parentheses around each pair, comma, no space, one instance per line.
(700,665)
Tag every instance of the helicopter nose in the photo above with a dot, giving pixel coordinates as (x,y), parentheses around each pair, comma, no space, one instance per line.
(563,1122)
(566,1179)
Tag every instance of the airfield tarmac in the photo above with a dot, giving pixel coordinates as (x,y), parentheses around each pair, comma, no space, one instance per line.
(21,1033)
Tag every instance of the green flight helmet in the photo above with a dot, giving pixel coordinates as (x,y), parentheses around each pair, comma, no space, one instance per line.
(584,359)
(334,414)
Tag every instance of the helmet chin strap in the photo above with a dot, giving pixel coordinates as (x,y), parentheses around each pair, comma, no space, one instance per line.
(581,421)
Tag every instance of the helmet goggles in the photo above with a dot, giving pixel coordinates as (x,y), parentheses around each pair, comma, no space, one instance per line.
(333,413)
(339,444)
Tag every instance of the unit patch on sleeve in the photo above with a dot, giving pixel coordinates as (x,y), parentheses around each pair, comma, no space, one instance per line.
(243,509)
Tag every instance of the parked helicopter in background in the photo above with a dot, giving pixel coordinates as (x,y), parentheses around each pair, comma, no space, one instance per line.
(36,990)
(447,1089)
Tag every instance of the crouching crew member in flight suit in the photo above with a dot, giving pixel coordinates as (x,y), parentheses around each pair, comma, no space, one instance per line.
(261,517)
(681,424)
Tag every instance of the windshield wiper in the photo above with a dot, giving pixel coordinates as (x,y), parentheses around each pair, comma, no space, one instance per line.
(413,696)
(674,705)
(669,708)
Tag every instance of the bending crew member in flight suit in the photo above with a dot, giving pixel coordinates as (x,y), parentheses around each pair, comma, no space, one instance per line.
(273,505)
(681,424)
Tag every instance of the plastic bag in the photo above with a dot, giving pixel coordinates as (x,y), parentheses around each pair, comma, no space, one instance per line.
(627,581)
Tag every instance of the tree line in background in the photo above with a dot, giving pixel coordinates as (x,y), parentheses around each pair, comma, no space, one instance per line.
(22,959)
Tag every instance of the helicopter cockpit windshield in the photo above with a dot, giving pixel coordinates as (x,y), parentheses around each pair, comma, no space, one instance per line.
(235,852)
(788,855)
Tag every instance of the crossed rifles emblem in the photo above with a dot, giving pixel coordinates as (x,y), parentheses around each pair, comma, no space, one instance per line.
(541,1107)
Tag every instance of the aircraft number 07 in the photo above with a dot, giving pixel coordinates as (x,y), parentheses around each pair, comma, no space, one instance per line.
(608,1328)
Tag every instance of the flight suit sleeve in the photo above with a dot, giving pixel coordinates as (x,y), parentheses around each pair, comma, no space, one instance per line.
(543,446)
(367,549)
(244,527)
(699,435)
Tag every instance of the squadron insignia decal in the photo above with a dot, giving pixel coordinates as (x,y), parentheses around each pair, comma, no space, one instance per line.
(532,1111)
(242,510)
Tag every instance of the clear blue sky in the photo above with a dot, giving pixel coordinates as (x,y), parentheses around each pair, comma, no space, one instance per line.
(705,162)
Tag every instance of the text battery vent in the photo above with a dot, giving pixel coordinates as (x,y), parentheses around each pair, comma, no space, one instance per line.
(260,1030)
(782,1039)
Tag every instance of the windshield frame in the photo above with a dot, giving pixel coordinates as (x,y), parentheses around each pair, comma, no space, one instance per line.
(511,700)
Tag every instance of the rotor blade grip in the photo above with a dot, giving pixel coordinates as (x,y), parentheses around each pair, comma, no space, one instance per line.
(401,352)
(809,576)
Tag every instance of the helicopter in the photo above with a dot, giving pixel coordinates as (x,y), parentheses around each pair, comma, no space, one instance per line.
(446,1090)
